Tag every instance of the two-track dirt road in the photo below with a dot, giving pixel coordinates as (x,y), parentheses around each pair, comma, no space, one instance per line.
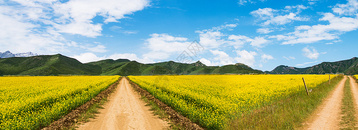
(125,110)
(327,115)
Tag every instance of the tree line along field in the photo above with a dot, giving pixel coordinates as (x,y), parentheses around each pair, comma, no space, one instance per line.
(35,102)
(214,101)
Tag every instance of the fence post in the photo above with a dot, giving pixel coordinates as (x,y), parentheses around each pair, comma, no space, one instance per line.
(305,85)
(329,79)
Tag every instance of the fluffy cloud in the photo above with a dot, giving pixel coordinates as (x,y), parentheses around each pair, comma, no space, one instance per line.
(289,57)
(337,25)
(264,30)
(246,57)
(315,33)
(87,57)
(75,16)
(310,52)
(206,62)
(91,57)
(41,23)
(162,46)
(346,9)
(98,48)
(270,16)
(239,40)
(266,57)
(222,58)
(213,38)
(243,2)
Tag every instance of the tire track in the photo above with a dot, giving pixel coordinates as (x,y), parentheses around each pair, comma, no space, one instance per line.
(328,115)
(125,110)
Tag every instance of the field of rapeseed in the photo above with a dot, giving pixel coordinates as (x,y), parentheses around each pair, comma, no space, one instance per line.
(35,102)
(213,100)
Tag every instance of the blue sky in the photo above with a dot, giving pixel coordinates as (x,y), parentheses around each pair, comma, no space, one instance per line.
(260,33)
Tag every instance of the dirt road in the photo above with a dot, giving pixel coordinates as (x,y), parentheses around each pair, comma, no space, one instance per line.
(354,92)
(125,110)
(328,114)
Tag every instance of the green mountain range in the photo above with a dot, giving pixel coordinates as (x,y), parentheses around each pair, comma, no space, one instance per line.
(62,65)
(349,67)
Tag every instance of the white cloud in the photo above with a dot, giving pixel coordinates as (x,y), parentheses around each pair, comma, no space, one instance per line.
(37,25)
(289,57)
(222,57)
(258,42)
(76,15)
(346,21)
(264,30)
(266,57)
(206,62)
(243,2)
(310,52)
(315,33)
(162,46)
(213,38)
(305,64)
(87,57)
(312,2)
(239,40)
(270,16)
(349,8)
(98,48)
(91,57)
(246,57)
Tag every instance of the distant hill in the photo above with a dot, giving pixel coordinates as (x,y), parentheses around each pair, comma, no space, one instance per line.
(349,66)
(46,65)
(126,67)
(62,65)
(8,54)
(283,69)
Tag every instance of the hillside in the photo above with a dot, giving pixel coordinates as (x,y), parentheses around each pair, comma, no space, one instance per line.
(344,66)
(283,69)
(349,67)
(62,65)
(46,65)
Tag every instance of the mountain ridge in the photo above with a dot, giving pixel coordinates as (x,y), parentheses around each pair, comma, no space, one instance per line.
(8,54)
(62,65)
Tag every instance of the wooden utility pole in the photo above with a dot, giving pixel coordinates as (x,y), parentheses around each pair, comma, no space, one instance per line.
(305,85)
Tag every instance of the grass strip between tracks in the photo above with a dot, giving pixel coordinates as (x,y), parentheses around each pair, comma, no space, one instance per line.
(348,110)
(180,122)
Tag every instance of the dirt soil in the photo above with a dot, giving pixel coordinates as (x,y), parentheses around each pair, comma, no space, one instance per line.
(354,88)
(125,110)
(70,119)
(174,116)
(327,115)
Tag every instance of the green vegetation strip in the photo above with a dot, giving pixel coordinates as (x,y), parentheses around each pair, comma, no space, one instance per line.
(289,113)
(348,111)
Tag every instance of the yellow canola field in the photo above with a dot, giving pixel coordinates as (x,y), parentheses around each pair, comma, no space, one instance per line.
(212,100)
(35,102)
